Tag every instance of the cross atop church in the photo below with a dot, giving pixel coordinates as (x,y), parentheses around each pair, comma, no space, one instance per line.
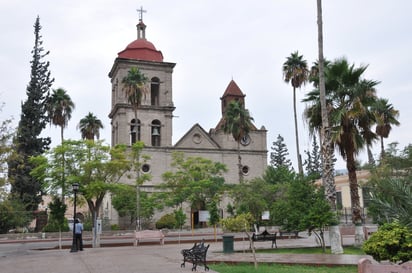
(141,11)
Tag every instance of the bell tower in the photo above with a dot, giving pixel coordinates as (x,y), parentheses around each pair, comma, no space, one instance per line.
(154,125)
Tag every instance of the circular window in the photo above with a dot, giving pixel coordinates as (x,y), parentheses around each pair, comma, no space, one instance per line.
(146,168)
(245,170)
(197,138)
(245,140)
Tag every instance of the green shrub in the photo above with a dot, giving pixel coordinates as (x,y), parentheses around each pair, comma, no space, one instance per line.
(114,227)
(54,226)
(166,221)
(391,242)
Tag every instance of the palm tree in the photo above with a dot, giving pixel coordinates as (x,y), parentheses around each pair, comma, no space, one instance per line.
(60,108)
(295,71)
(90,127)
(328,179)
(238,122)
(134,87)
(349,98)
(385,116)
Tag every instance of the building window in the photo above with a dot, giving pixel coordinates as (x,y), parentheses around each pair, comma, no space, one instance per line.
(146,168)
(156,133)
(245,170)
(154,91)
(339,204)
(134,131)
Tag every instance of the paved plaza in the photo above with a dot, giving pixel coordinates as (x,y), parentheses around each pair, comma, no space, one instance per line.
(155,258)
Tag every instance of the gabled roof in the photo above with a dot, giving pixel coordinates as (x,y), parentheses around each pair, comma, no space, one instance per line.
(197,138)
(233,90)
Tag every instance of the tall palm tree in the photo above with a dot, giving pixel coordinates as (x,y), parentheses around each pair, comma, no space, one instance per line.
(134,87)
(60,108)
(90,127)
(295,71)
(349,98)
(135,90)
(385,116)
(238,122)
(328,179)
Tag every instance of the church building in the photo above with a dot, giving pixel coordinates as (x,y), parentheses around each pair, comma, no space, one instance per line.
(154,125)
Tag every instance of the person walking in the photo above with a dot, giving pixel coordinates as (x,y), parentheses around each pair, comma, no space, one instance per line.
(78,233)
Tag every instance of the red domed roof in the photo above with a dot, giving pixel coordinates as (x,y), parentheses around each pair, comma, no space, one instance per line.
(142,50)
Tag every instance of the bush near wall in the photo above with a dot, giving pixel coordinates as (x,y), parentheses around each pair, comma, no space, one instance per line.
(392,242)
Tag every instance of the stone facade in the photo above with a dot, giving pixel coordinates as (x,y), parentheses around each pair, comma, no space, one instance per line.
(155,122)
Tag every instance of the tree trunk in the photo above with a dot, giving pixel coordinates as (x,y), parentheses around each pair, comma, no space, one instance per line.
(328,179)
(239,164)
(300,168)
(354,196)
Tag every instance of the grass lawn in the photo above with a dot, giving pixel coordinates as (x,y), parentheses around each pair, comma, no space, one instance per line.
(279,268)
(310,250)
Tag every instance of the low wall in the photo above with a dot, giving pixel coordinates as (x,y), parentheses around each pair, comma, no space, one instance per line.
(366,266)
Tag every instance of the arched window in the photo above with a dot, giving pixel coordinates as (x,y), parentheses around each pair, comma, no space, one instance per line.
(134,131)
(156,133)
(154,91)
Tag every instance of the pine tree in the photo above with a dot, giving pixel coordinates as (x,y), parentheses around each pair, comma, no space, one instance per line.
(278,156)
(313,163)
(33,120)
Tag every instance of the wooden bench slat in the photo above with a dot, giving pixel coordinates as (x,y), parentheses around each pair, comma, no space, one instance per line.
(148,234)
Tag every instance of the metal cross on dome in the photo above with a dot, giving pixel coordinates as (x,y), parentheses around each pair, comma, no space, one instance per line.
(141,11)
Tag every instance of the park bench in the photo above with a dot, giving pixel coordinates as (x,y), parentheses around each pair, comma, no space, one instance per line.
(289,234)
(195,255)
(265,236)
(148,234)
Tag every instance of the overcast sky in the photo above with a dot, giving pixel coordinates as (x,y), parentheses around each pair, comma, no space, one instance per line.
(212,42)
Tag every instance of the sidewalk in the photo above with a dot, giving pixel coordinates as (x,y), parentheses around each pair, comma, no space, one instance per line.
(156,258)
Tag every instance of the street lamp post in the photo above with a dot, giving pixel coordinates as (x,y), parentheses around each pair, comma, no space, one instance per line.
(74,243)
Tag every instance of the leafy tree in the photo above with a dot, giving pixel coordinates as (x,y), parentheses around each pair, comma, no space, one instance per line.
(57,221)
(90,127)
(13,215)
(33,120)
(254,197)
(196,180)
(392,242)
(124,201)
(295,71)
(238,123)
(319,216)
(385,116)
(303,207)
(6,135)
(241,223)
(96,167)
(313,163)
(60,108)
(180,217)
(278,156)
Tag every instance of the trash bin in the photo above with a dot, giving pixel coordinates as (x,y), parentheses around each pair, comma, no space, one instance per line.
(228,243)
